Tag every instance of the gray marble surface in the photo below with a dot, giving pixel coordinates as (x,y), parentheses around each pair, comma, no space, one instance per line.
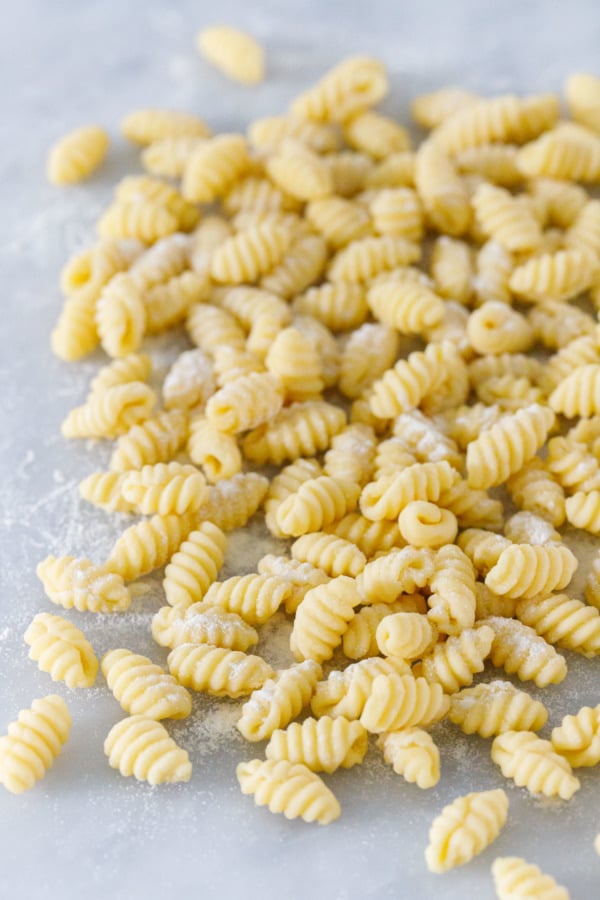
(84,831)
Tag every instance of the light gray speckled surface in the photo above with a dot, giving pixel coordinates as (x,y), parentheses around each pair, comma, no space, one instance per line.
(84,831)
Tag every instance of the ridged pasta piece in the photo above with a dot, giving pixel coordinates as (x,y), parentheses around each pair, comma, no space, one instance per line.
(279,700)
(285,483)
(423,524)
(145,126)
(33,742)
(452,270)
(482,547)
(394,573)
(396,171)
(496,328)
(532,763)
(322,745)
(142,747)
(406,635)
(317,503)
(375,134)
(579,352)
(214,168)
(494,162)
(505,119)
(299,171)
(148,545)
(76,155)
(503,449)
(143,688)
(144,220)
(407,306)
(249,305)
(249,254)
(332,554)
(345,693)
(557,324)
(194,567)
(369,352)
(401,701)
(86,273)
(424,439)
(168,304)
(257,194)
(195,624)
(527,528)
(454,663)
(216,452)
(135,367)
(526,571)
(121,316)
(235,53)
(574,466)
(111,413)
(592,584)
(166,259)
(218,671)
(233,501)
(494,267)
(135,189)
(579,393)
(583,511)
(489,604)
(79,584)
(156,440)
(398,212)
(514,877)
(519,650)
(534,489)
(288,788)
(352,454)
(322,617)
(495,707)
(441,189)
(563,621)
(473,509)
(564,200)
(340,306)
(245,403)
(430,110)
(256,598)
(583,97)
(301,577)
(555,276)
(231,363)
(294,363)
(370,537)
(452,599)
(104,489)
(584,233)
(61,650)
(505,220)
(465,828)
(412,753)
(363,259)
(168,157)
(387,497)
(577,738)
(189,382)
(352,86)
(211,328)
(569,151)
(165,488)
(302,265)
(268,133)
(75,334)
(402,388)
(359,641)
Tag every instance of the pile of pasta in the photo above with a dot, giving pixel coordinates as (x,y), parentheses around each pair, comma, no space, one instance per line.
(405,340)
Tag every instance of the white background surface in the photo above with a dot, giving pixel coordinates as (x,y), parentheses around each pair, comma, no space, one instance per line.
(84,832)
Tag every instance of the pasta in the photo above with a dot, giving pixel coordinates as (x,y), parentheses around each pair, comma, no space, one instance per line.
(514,877)
(465,828)
(452,599)
(301,577)
(396,572)
(496,328)
(377,135)
(423,524)
(168,156)
(233,52)
(196,624)
(441,190)
(430,110)
(453,664)
(155,440)
(77,155)
(568,151)
(268,133)
(518,649)
(142,747)
(189,382)
(340,306)
(398,212)
(322,618)
(62,650)
(413,754)
(369,352)
(279,700)
(212,169)
(363,259)
(111,413)
(345,693)
(233,501)
(351,456)
(288,788)
(249,254)
(563,621)
(555,276)
(388,496)
(299,171)
(583,511)
(147,545)
(245,403)
(146,126)
(217,670)
(360,641)
(532,763)
(144,220)
(577,738)
(33,742)
(496,707)
(135,367)
(322,745)
(403,387)
(294,362)
(534,489)
(143,688)
(525,571)
(369,537)
(407,306)
(349,88)
(79,584)
(577,394)
(256,598)
(165,488)
(105,489)
(334,555)
(404,634)
(194,567)
(317,503)
(452,269)
(401,701)
(583,96)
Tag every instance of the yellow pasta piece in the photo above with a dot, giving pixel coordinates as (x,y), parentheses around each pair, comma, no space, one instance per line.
(349,88)
(189,382)
(398,212)
(245,403)
(75,156)
(148,545)
(322,745)
(505,220)
(210,328)
(569,151)
(401,701)
(364,259)
(217,670)
(195,624)
(407,306)
(514,877)
(583,96)
(472,508)
(322,618)
(233,501)
(352,454)
(404,634)
(583,511)
(165,488)
(142,747)
(494,162)
(370,537)
(299,171)
(288,788)
(316,504)
(135,367)
(423,524)
(121,316)
(212,169)
(584,233)
(526,571)
(496,328)
(465,828)
(563,621)
(301,577)
(33,742)
(156,440)
(452,599)
(454,663)
(168,157)
(104,489)
(345,693)
(268,133)
(144,220)
(279,700)
(145,126)
(194,567)
(375,134)
(496,707)
(441,190)
(430,110)
(519,650)
(62,650)
(369,352)
(301,266)
(573,465)
(294,363)
(339,221)
(393,573)
(532,763)
(256,598)
(452,270)
(592,584)
(79,584)
(216,452)
(557,276)
(398,170)
(332,554)
(577,738)
(249,254)
(143,688)
(413,754)
(579,393)
(235,53)
(388,496)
